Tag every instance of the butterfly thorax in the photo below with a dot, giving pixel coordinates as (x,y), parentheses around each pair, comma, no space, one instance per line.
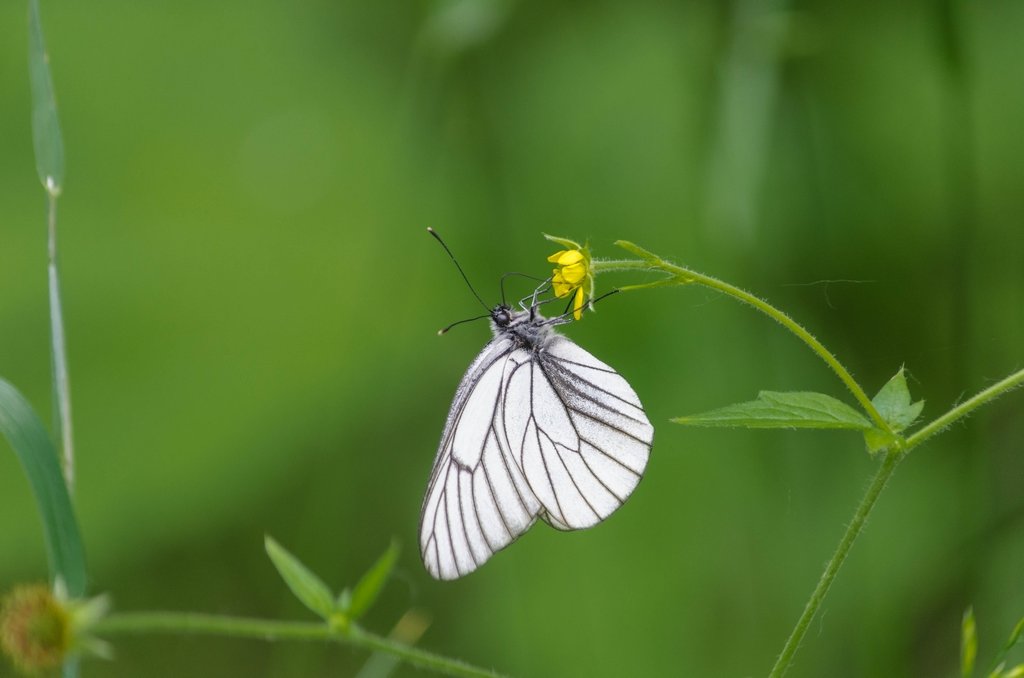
(529,329)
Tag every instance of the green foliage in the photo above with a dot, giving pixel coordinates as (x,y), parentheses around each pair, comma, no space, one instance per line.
(307,587)
(894,404)
(969,650)
(317,596)
(775,409)
(564,242)
(35,451)
(370,584)
(46,135)
(1000,670)
(968,643)
(216,352)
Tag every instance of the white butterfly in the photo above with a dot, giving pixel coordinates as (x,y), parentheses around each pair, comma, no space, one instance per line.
(538,427)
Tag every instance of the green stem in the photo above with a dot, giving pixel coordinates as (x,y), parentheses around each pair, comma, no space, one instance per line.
(58,351)
(867,503)
(270,630)
(685,276)
(963,409)
(901,446)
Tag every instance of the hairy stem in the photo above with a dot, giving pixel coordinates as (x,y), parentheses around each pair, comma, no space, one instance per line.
(963,409)
(900,445)
(271,630)
(684,276)
(867,503)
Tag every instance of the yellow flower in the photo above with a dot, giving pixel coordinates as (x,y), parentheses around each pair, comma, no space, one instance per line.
(572,275)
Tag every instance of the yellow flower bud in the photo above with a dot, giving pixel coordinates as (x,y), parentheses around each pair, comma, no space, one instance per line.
(572,275)
(35,628)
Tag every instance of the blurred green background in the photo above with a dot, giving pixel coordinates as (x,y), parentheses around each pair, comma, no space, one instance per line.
(251,305)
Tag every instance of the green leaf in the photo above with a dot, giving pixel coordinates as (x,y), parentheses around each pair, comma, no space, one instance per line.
(366,591)
(1016,636)
(564,242)
(46,136)
(638,251)
(893,403)
(38,457)
(775,409)
(307,587)
(344,601)
(968,643)
(1016,672)
(878,440)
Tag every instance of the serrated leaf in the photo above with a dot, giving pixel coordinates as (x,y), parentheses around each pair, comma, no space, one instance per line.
(46,136)
(893,403)
(968,643)
(34,449)
(777,409)
(307,587)
(366,591)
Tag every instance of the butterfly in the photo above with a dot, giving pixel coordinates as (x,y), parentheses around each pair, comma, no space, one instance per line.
(538,428)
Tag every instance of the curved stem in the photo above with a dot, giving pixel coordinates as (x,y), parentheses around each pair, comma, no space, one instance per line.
(900,445)
(867,503)
(270,630)
(685,276)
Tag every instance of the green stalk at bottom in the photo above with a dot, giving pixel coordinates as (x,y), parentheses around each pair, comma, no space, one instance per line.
(867,503)
(271,630)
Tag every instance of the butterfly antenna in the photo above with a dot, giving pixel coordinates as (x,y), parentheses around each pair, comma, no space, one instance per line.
(444,330)
(463,273)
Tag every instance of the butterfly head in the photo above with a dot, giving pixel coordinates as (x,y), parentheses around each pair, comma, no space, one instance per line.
(527,328)
(501,316)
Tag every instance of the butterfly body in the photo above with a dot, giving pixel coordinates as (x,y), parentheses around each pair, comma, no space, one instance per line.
(538,428)
(522,327)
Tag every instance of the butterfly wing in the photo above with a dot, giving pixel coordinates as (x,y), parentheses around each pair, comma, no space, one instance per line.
(578,432)
(477,500)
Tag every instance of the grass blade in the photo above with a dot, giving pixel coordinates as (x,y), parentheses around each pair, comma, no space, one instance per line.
(968,644)
(46,136)
(35,451)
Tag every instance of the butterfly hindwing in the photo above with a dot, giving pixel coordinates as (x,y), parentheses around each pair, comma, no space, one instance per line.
(579,433)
